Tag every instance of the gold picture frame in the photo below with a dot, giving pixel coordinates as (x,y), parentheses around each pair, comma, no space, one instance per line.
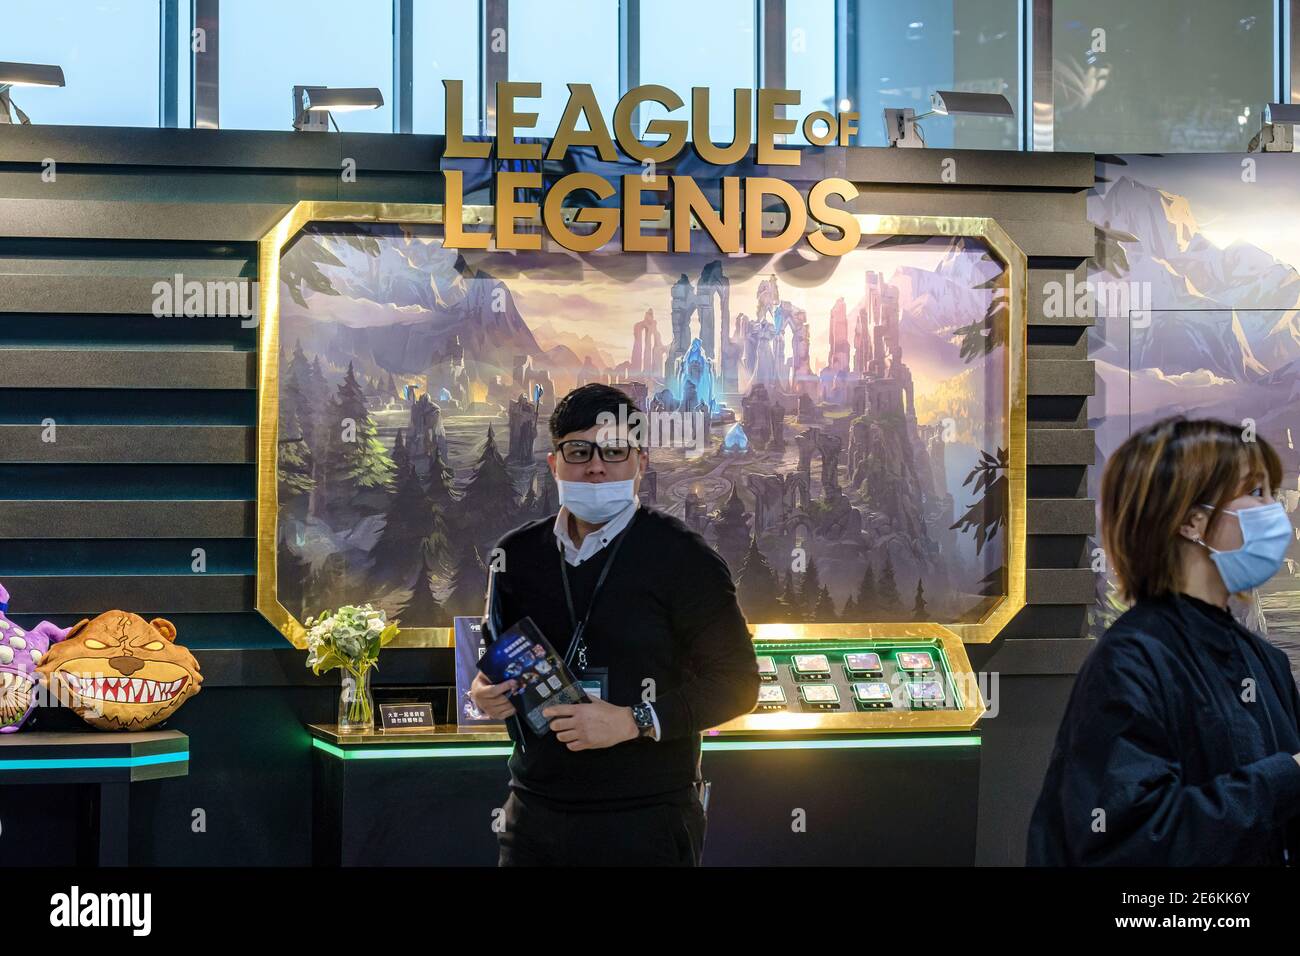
(1014,279)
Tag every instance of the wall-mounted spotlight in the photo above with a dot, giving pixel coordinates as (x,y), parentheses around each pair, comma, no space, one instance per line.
(946,102)
(1276,129)
(24,74)
(313,106)
(902,126)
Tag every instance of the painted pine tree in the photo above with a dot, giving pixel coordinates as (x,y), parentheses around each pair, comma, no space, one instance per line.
(824,612)
(809,590)
(868,600)
(440,484)
(889,601)
(468,584)
(401,457)
(423,609)
(356,459)
(850,612)
(756,586)
(920,610)
(489,505)
(316,389)
(293,454)
(790,599)
(408,524)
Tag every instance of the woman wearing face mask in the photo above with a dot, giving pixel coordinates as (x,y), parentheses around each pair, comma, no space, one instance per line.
(1181,741)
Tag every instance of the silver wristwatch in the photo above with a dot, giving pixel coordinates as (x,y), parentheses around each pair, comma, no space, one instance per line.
(644,716)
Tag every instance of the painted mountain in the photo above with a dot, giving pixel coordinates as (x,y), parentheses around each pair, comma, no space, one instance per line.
(1243,301)
(1225,326)
(1200,237)
(402,305)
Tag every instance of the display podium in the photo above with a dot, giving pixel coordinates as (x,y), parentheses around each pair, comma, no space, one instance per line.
(825,771)
(406,798)
(104,766)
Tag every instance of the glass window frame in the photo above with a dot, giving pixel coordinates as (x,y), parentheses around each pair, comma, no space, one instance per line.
(181,101)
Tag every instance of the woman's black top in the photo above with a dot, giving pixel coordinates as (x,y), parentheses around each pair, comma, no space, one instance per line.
(1175,749)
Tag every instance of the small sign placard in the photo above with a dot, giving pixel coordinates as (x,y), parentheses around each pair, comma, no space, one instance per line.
(407,716)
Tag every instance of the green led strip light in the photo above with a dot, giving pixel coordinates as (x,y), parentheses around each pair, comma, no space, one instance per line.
(384,752)
(83,763)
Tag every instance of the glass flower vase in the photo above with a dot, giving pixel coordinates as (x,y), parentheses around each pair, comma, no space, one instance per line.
(356,702)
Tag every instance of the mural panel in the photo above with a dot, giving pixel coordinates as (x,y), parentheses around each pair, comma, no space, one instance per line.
(1198,303)
(839,429)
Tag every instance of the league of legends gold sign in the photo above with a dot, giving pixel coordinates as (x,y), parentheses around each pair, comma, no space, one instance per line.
(736,227)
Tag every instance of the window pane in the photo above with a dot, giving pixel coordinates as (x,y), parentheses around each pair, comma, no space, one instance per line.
(108,51)
(184,62)
(686,43)
(810,59)
(546,49)
(907,49)
(267,48)
(1161,75)
(445,46)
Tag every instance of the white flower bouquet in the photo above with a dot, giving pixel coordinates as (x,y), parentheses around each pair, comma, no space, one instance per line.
(350,639)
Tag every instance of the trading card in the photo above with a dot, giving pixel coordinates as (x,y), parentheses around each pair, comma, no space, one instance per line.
(821,695)
(915,661)
(924,693)
(807,665)
(863,663)
(875,691)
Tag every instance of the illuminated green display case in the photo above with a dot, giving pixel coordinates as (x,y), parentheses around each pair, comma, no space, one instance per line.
(850,685)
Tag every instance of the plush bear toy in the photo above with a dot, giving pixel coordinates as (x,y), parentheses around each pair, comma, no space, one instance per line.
(20,652)
(121,672)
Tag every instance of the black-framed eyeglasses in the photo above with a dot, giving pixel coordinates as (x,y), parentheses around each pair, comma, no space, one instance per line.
(578,451)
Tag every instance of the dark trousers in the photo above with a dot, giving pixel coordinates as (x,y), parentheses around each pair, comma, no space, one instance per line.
(663,834)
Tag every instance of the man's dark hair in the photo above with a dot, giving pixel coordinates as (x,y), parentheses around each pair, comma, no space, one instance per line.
(581,408)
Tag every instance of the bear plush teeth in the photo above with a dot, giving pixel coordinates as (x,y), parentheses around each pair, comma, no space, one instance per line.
(132,690)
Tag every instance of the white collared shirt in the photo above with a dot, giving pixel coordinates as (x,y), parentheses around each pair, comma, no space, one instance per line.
(595,540)
(592,544)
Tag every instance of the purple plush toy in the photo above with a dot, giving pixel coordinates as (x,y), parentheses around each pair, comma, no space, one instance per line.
(20,652)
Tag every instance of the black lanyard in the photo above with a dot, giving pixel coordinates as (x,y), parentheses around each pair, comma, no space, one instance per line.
(579,628)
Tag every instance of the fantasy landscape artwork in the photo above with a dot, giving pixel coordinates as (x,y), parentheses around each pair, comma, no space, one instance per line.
(836,429)
(1198,313)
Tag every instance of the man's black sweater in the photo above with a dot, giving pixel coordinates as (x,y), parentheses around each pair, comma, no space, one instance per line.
(666,614)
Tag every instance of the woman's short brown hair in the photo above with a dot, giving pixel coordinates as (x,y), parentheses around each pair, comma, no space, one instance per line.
(1154,480)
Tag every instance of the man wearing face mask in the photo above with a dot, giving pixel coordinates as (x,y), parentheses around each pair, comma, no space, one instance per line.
(1181,741)
(645,613)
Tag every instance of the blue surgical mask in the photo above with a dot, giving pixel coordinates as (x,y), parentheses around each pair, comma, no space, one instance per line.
(596,501)
(1266,534)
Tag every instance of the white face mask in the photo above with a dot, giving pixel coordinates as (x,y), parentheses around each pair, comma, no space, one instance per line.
(596,501)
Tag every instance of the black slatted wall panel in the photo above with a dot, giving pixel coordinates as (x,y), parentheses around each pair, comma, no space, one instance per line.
(155,437)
